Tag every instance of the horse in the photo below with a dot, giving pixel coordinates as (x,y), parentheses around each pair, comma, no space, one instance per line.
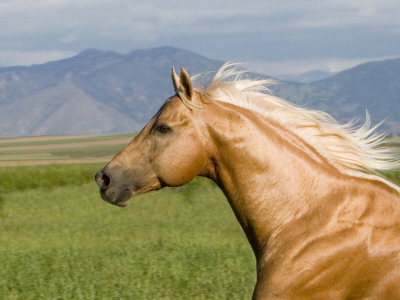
(306,190)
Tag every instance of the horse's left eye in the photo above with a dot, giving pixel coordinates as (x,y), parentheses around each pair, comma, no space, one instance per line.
(162,128)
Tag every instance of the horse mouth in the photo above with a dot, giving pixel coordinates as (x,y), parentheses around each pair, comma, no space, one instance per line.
(121,200)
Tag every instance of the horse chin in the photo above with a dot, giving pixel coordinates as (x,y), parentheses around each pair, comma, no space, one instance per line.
(121,199)
(122,204)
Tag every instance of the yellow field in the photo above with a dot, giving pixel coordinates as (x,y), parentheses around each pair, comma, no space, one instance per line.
(61,149)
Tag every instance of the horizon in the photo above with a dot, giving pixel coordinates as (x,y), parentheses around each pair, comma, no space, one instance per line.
(250,66)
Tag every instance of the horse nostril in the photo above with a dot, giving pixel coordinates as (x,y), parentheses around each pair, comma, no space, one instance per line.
(102,180)
(105,180)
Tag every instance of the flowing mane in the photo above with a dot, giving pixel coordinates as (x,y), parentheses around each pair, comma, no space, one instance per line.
(347,147)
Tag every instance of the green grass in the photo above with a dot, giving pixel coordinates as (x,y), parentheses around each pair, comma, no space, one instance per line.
(59,240)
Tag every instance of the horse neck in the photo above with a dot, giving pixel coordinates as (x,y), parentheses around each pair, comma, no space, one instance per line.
(263,170)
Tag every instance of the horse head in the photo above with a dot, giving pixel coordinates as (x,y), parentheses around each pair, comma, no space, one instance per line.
(169,151)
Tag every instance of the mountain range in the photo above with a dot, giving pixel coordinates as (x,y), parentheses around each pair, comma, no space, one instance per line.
(97,92)
(372,87)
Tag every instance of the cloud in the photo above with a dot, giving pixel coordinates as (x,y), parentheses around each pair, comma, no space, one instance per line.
(206,17)
(300,66)
(27,58)
(70,37)
(254,30)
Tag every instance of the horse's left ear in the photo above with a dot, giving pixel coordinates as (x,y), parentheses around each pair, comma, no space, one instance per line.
(183,84)
(184,89)
(186,84)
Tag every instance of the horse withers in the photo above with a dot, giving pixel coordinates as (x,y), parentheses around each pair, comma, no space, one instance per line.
(321,223)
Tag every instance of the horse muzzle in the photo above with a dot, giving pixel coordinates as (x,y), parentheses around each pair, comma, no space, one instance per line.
(111,191)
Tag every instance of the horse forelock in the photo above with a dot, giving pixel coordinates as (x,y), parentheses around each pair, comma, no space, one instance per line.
(349,147)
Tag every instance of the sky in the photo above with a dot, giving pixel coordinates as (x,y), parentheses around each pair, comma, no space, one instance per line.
(274,37)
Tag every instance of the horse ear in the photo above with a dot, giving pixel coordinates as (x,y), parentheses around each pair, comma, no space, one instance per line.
(175,79)
(186,84)
(184,88)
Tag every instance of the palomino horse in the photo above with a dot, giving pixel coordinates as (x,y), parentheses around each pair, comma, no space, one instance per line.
(321,223)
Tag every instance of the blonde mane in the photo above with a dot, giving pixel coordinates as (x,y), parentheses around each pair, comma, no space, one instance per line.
(354,150)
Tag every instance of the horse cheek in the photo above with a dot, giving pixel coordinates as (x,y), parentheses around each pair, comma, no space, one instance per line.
(180,169)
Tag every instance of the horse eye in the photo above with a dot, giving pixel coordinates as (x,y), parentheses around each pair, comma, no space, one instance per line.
(162,128)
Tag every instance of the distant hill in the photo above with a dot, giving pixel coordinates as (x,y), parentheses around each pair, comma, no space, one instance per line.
(91,93)
(106,92)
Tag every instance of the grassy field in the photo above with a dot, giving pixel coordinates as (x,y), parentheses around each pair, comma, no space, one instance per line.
(59,240)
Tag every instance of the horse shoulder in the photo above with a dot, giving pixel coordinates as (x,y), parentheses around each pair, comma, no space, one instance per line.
(354,251)
(371,203)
